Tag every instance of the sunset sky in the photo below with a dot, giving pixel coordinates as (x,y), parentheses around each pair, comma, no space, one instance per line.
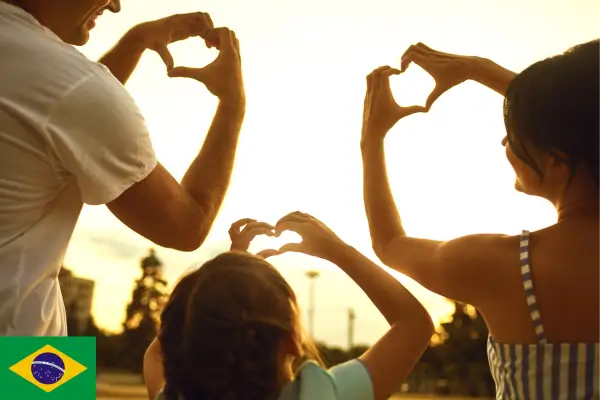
(305,63)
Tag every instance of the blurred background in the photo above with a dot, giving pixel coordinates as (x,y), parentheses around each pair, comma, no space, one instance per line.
(305,64)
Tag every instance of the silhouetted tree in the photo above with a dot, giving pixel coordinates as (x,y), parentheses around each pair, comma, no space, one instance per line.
(143,312)
(457,364)
(332,355)
(357,351)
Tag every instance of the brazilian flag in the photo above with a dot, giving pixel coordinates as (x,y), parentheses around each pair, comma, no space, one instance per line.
(40,368)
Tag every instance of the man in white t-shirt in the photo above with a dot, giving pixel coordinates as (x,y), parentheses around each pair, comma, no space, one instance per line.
(71,134)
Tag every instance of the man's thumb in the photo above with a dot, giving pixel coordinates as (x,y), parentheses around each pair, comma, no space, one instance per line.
(185,72)
(163,52)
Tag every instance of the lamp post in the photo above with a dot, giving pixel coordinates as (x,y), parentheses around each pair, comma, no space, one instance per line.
(351,319)
(312,275)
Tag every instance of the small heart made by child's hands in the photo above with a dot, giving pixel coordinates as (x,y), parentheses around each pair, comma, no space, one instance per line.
(268,246)
(259,237)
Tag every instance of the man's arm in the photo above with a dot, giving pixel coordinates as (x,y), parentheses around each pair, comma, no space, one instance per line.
(180,216)
(99,137)
(124,57)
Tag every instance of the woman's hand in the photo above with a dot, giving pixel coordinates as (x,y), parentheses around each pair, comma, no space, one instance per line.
(381,112)
(317,239)
(245,230)
(448,70)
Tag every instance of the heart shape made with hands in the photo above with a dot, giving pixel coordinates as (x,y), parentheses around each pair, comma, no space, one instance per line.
(412,87)
(267,243)
(187,53)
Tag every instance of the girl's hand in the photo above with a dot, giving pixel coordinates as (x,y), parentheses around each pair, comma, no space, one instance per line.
(245,230)
(317,239)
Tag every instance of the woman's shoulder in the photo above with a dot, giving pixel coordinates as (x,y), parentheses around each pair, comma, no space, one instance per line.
(347,381)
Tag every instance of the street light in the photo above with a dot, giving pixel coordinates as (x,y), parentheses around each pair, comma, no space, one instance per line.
(351,319)
(312,275)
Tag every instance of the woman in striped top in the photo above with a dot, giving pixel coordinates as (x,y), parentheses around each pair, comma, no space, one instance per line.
(537,292)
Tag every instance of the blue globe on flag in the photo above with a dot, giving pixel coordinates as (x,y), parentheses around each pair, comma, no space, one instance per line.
(47,368)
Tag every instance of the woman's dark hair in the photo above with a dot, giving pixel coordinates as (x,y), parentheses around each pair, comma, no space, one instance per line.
(222,329)
(553,105)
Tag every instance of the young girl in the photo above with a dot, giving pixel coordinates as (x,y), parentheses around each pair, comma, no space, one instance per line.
(538,292)
(231,329)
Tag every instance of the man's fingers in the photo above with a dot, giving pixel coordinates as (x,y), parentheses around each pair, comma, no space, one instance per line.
(235,42)
(163,52)
(213,38)
(204,20)
(189,25)
(183,72)
(222,38)
(186,72)
(236,226)
(212,41)
(199,24)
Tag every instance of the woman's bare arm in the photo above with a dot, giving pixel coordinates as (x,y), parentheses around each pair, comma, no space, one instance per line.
(490,74)
(393,357)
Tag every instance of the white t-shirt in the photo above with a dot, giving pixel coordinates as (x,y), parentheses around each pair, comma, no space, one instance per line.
(69,134)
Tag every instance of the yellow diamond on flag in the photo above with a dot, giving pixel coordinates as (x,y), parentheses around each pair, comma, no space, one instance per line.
(48,368)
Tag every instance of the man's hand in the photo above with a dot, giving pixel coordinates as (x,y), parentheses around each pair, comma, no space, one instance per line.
(157,35)
(448,70)
(245,230)
(222,77)
(381,112)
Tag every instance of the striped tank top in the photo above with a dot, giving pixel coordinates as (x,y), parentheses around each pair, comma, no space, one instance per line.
(552,371)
